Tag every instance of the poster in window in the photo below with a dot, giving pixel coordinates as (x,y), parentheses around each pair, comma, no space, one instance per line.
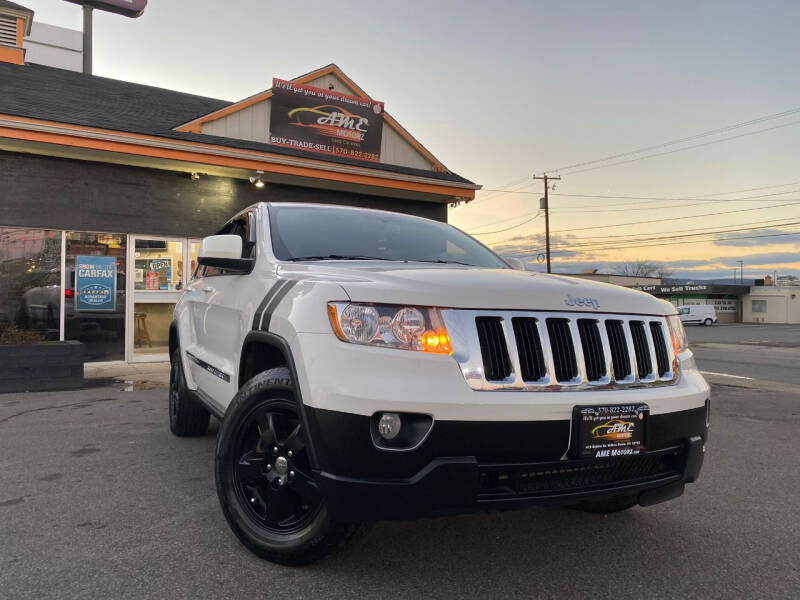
(95,283)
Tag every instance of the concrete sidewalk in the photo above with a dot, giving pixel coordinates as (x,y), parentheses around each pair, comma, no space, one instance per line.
(140,375)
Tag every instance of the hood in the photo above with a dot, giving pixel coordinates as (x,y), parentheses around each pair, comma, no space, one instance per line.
(456,286)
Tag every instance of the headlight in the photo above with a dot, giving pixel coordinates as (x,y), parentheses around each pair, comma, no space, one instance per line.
(390,326)
(678,334)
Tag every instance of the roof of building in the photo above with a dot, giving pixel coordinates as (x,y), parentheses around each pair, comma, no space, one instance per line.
(7,4)
(50,94)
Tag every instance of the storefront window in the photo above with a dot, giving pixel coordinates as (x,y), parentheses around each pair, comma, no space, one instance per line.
(30,284)
(759,306)
(159,265)
(94,311)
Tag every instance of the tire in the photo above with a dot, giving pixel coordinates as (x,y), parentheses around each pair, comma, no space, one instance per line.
(608,506)
(708,322)
(269,498)
(186,416)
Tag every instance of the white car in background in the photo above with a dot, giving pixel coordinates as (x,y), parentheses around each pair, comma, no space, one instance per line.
(698,313)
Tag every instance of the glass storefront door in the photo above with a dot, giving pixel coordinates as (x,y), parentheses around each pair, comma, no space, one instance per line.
(158,266)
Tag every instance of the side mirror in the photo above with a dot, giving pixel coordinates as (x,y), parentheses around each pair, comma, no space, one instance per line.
(515,263)
(224,252)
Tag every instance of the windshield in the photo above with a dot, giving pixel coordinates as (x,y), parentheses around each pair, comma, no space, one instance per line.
(322,233)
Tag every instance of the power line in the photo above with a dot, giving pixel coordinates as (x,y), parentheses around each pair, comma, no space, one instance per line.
(687,242)
(760,198)
(675,237)
(641,237)
(508,228)
(676,218)
(598,249)
(763,197)
(646,156)
(605,242)
(680,140)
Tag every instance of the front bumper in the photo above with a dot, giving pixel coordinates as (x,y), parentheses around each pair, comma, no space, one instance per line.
(463,485)
(503,472)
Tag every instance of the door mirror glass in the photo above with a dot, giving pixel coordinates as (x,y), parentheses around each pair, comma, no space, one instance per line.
(221,246)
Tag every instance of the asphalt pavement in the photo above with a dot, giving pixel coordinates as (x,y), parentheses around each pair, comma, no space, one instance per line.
(99,500)
(758,356)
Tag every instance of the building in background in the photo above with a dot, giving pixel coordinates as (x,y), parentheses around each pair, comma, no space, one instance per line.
(54,47)
(106,186)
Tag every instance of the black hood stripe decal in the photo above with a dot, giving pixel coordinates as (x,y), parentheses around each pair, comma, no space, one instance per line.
(275,302)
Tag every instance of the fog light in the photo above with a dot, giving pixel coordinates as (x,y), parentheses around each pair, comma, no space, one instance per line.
(389,425)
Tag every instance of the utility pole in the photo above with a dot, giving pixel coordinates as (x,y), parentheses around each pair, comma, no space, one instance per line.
(87,39)
(546,207)
(741,276)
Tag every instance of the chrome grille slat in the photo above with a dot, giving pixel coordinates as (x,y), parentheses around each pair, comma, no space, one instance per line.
(555,351)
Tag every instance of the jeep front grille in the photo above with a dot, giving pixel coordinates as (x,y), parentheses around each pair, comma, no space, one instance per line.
(531,350)
(496,364)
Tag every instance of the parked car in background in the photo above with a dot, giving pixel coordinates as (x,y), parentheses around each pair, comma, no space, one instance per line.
(704,314)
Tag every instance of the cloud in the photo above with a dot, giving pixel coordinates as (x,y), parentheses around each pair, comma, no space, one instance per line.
(781,236)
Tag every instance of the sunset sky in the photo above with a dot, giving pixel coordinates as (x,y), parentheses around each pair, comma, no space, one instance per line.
(502,90)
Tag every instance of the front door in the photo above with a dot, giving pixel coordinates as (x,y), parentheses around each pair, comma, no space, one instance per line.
(220,316)
(159,267)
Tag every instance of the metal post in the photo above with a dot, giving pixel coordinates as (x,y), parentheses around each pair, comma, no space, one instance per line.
(741,276)
(87,39)
(547,223)
(546,180)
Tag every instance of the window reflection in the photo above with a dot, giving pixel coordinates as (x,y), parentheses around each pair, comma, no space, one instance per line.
(30,282)
(99,324)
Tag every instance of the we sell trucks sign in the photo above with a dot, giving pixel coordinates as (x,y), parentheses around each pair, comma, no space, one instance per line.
(316,120)
(95,283)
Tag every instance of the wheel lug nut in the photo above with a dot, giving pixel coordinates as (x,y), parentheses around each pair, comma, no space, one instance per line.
(275,449)
(291,473)
(290,453)
(269,467)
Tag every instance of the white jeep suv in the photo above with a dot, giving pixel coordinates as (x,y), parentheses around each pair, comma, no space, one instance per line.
(370,365)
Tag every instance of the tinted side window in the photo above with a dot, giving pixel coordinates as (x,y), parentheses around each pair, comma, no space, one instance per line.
(240,226)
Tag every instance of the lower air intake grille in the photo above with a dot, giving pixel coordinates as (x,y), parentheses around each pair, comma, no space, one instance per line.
(496,364)
(593,354)
(543,479)
(563,349)
(619,349)
(642,349)
(662,358)
(529,346)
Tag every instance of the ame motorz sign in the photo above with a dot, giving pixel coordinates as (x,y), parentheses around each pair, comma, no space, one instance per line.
(317,120)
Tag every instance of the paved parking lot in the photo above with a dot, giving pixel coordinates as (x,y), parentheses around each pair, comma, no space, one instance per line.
(758,356)
(99,500)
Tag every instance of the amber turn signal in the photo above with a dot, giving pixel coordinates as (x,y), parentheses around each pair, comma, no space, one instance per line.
(438,342)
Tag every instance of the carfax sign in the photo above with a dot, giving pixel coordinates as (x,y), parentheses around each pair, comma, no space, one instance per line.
(316,120)
(95,283)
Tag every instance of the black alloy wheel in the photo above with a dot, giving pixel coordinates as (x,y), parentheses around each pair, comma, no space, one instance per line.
(186,416)
(272,473)
(265,483)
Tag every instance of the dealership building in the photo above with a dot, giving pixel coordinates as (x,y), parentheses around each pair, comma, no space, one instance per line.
(124,179)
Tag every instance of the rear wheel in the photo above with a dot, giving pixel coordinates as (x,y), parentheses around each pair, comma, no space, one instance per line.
(607,506)
(264,479)
(186,416)
(708,322)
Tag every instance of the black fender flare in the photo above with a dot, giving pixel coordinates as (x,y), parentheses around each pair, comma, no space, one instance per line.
(281,344)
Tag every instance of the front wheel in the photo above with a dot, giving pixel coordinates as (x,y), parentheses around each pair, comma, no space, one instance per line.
(264,480)
(708,322)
